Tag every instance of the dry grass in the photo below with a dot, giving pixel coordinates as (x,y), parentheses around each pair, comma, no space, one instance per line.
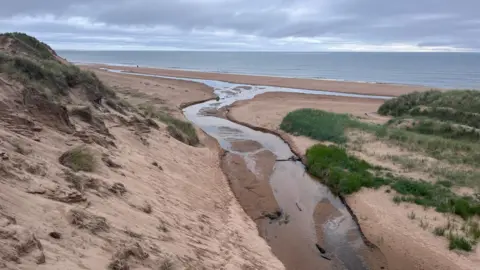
(81,182)
(167,264)
(79,159)
(118,189)
(36,169)
(132,233)
(120,259)
(147,208)
(87,221)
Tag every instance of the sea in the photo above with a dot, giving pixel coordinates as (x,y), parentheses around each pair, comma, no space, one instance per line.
(433,69)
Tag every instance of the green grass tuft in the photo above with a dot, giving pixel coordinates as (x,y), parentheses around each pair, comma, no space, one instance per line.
(32,45)
(459,242)
(437,196)
(439,231)
(53,77)
(445,129)
(459,100)
(321,125)
(339,171)
(79,159)
(181,130)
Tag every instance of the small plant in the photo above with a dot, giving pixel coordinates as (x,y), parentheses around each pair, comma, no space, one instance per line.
(167,264)
(79,159)
(397,199)
(147,208)
(132,233)
(459,242)
(439,231)
(411,215)
(445,183)
(88,221)
(424,224)
(472,229)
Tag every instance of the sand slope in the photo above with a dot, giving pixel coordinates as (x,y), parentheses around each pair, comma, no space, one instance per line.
(154,201)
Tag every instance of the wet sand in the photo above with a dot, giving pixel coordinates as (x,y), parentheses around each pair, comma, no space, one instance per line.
(313,84)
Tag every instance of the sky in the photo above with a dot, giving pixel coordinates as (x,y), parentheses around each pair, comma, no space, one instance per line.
(248,25)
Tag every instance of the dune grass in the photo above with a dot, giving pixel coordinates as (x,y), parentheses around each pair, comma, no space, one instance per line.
(32,44)
(79,159)
(181,130)
(345,174)
(453,151)
(326,126)
(459,242)
(445,129)
(52,77)
(321,125)
(342,173)
(436,196)
(458,100)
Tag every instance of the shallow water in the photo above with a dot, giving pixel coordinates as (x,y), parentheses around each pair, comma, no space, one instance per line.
(434,69)
(314,215)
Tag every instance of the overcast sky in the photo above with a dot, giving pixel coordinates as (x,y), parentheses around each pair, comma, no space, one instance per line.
(287,25)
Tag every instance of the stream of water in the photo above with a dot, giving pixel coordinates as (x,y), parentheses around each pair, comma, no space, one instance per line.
(316,219)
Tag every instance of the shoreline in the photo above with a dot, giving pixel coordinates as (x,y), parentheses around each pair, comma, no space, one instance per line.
(363,88)
(92,64)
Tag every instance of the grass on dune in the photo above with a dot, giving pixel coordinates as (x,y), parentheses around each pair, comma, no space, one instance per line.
(342,173)
(321,125)
(437,196)
(52,77)
(327,126)
(459,242)
(454,151)
(458,100)
(428,126)
(345,174)
(181,130)
(32,45)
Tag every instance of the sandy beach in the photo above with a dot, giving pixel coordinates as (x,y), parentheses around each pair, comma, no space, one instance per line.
(312,84)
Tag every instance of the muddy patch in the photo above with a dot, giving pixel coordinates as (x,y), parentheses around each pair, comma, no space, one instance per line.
(252,189)
(245,146)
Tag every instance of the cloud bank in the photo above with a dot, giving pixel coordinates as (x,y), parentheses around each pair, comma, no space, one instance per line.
(245,25)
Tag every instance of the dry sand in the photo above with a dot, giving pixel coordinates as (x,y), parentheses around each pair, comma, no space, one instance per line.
(402,240)
(177,206)
(313,84)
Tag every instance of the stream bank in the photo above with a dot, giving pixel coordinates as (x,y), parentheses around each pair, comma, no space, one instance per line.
(305,225)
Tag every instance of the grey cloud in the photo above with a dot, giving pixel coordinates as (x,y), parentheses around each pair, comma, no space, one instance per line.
(424,23)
